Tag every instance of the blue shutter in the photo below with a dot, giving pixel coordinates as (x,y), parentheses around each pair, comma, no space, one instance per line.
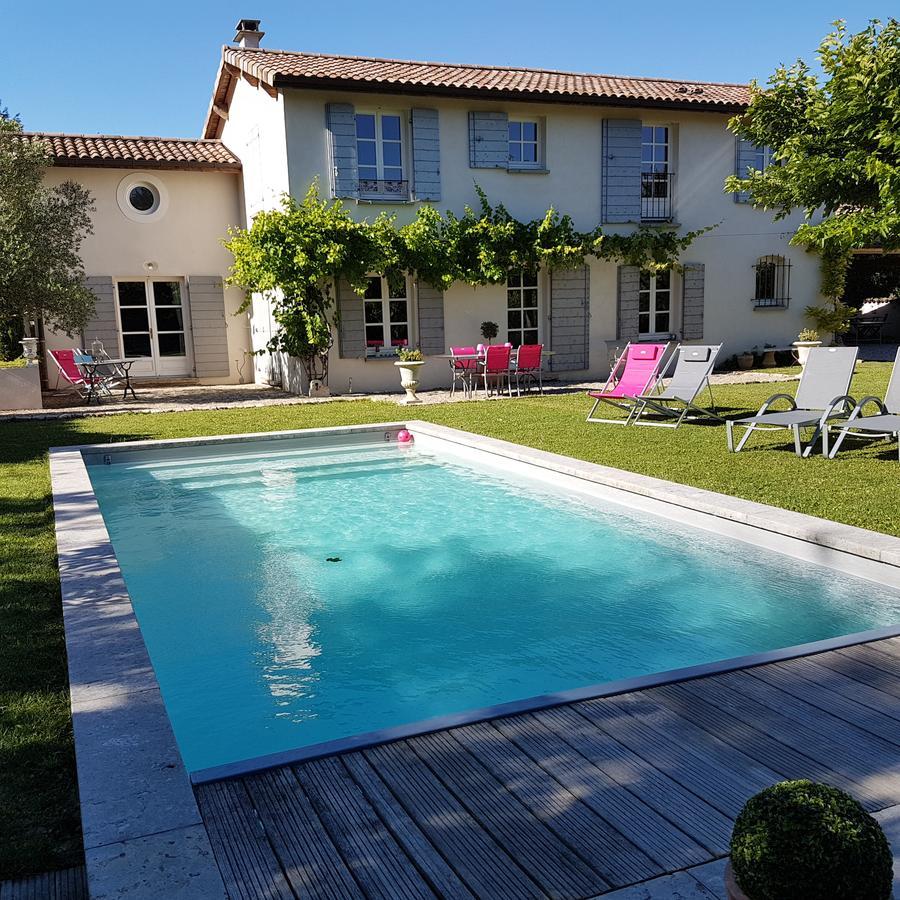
(431,319)
(351,322)
(628,303)
(488,140)
(426,154)
(621,175)
(570,303)
(744,158)
(341,123)
(692,300)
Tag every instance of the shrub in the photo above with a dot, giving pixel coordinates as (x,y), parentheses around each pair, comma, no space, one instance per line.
(409,354)
(489,330)
(808,334)
(807,841)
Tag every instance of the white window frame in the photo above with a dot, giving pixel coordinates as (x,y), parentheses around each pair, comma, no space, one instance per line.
(386,349)
(763,156)
(652,293)
(655,166)
(379,114)
(518,291)
(537,143)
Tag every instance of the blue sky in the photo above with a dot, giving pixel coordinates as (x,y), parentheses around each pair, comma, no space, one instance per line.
(140,68)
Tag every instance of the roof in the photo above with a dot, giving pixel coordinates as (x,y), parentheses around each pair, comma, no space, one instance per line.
(284,68)
(123,152)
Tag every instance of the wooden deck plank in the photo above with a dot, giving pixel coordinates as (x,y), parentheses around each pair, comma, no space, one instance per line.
(748,734)
(624,819)
(249,866)
(826,761)
(854,746)
(376,860)
(312,863)
(855,667)
(440,875)
(884,663)
(699,819)
(833,681)
(551,863)
(821,692)
(474,854)
(61,884)
(700,761)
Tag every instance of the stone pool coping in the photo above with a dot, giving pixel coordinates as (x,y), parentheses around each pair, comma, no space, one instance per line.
(143,834)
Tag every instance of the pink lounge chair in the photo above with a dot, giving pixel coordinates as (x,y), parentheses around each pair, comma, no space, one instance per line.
(496,367)
(67,363)
(634,374)
(463,370)
(528,367)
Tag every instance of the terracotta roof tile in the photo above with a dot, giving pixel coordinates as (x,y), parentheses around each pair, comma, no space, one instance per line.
(118,151)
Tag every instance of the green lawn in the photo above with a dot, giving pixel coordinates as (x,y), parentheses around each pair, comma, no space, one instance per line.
(39,825)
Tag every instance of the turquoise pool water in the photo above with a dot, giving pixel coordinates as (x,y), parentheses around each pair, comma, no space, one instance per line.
(455,588)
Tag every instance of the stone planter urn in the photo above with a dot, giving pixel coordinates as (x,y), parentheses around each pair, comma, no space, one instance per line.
(745,361)
(409,379)
(802,348)
(732,888)
(29,349)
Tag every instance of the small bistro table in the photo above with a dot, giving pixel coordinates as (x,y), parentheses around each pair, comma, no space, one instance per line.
(90,368)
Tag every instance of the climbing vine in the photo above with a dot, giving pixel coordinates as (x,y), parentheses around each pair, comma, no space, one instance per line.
(295,254)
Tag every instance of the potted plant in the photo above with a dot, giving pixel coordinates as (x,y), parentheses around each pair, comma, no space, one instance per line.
(745,360)
(806,340)
(489,331)
(805,841)
(409,361)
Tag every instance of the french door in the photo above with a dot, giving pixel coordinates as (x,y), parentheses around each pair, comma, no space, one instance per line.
(153,326)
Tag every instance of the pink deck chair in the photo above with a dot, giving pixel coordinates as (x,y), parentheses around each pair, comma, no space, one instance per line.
(496,367)
(634,374)
(463,371)
(66,362)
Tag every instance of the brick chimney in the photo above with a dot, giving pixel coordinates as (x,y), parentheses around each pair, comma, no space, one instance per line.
(248,33)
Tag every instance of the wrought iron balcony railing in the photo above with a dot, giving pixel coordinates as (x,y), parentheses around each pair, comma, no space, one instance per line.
(384,188)
(657,196)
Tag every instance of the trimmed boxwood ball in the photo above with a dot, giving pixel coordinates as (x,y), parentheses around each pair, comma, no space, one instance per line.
(798,840)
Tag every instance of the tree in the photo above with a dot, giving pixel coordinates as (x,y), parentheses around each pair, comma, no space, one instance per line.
(41,231)
(835,139)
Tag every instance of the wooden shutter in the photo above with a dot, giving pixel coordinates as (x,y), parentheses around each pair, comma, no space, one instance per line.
(488,140)
(431,319)
(692,301)
(426,154)
(744,158)
(352,327)
(627,298)
(341,123)
(569,319)
(209,328)
(103,325)
(620,181)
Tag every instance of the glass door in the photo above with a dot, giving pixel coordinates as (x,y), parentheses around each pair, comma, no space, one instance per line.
(153,327)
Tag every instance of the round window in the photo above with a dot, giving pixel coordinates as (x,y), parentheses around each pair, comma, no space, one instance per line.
(142,198)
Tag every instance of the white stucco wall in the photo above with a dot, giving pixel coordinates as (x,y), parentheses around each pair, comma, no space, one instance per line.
(703,155)
(184,241)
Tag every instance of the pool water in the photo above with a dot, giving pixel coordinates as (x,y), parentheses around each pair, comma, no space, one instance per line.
(293,596)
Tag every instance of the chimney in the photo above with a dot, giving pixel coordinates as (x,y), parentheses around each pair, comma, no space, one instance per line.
(248,34)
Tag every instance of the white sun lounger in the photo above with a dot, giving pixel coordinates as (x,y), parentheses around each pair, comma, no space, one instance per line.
(821,396)
(883,425)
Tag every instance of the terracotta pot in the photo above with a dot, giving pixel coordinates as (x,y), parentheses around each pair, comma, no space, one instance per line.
(768,360)
(745,361)
(732,889)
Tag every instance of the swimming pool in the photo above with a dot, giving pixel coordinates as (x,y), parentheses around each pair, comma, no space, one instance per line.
(291,595)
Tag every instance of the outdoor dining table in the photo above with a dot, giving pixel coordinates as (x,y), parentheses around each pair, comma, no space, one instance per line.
(90,368)
(479,357)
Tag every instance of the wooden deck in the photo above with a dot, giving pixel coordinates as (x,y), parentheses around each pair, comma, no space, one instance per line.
(576,801)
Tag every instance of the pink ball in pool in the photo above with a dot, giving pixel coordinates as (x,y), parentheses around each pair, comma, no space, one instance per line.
(403,436)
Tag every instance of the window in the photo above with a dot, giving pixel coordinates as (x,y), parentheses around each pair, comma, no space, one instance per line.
(379,154)
(142,198)
(773,282)
(524,151)
(522,308)
(761,158)
(386,314)
(655,303)
(656,176)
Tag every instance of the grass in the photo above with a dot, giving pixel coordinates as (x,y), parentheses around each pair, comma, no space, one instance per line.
(39,823)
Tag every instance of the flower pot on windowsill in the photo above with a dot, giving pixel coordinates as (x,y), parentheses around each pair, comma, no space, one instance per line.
(409,379)
(802,348)
(745,361)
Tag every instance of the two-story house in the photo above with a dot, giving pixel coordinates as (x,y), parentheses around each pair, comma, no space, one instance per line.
(388,135)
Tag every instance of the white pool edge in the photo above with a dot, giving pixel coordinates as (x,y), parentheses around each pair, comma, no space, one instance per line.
(143,830)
